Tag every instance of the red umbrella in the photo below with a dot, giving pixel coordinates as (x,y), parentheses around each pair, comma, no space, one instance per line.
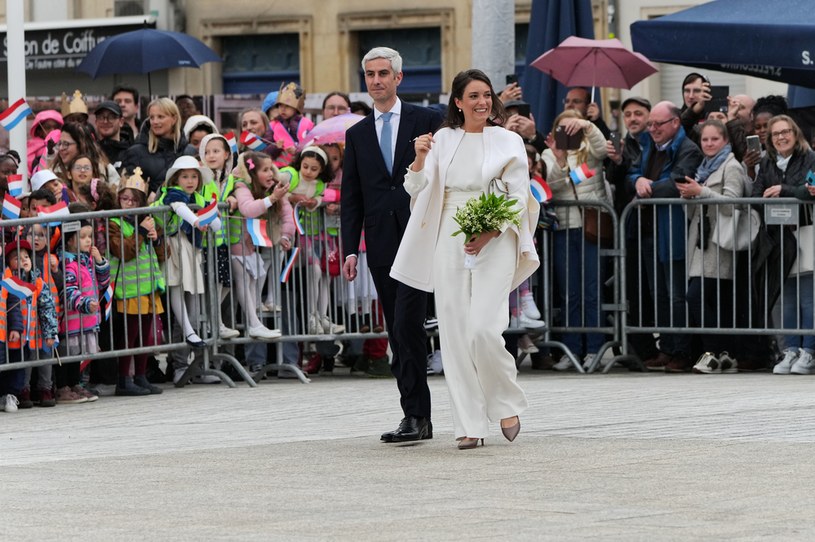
(331,130)
(604,63)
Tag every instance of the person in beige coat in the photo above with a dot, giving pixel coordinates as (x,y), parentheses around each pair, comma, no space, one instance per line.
(711,268)
(578,266)
(460,162)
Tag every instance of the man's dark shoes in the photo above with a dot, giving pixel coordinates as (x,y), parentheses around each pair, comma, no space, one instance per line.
(413,428)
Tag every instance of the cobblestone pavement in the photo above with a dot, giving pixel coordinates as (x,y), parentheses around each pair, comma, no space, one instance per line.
(614,457)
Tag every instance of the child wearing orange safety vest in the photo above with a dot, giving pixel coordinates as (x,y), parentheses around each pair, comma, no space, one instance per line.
(28,325)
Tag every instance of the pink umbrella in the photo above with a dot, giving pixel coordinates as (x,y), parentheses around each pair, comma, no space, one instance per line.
(604,63)
(331,130)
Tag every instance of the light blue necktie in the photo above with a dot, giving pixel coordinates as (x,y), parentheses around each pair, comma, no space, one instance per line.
(385,140)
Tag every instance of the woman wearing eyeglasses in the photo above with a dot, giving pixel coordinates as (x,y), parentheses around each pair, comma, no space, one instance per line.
(783,173)
(76,140)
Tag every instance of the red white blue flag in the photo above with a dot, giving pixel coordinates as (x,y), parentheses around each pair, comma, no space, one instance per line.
(540,190)
(16,112)
(15,184)
(54,211)
(233,145)
(208,213)
(295,211)
(286,273)
(108,297)
(11,207)
(257,231)
(582,173)
(252,141)
(18,288)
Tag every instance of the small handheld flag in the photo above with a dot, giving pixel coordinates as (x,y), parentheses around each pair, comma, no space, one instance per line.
(108,297)
(295,211)
(208,213)
(18,288)
(257,231)
(582,173)
(252,141)
(15,185)
(286,273)
(54,211)
(11,207)
(16,112)
(540,189)
(230,139)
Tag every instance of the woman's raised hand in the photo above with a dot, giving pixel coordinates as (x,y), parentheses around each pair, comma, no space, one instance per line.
(422,145)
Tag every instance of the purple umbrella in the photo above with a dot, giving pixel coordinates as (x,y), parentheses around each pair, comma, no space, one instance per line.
(331,130)
(604,63)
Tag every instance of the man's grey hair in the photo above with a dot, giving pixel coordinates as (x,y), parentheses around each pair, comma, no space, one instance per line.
(388,54)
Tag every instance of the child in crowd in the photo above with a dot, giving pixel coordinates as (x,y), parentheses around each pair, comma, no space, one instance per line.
(289,126)
(80,172)
(87,275)
(47,179)
(216,154)
(28,325)
(136,252)
(183,261)
(259,195)
(307,178)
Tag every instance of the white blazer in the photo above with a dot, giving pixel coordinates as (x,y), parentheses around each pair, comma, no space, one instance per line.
(504,159)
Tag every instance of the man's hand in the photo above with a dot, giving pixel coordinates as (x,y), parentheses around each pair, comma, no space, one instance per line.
(349,268)
(512,92)
(593,112)
(521,125)
(643,187)
(704,98)
(611,151)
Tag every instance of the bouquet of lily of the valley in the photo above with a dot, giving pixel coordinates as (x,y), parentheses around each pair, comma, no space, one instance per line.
(488,212)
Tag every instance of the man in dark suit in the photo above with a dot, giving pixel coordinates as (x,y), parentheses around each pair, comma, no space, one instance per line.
(377,153)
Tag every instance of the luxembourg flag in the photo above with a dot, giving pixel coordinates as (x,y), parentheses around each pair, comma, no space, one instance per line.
(233,145)
(295,211)
(582,173)
(18,111)
(208,213)
(540,189)
(11,207)
(18,288)
(286,273)
(108,297)
(252,141)
(54,211)
(15,185)
(257,231)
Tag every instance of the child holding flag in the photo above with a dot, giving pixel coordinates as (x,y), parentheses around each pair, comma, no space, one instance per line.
(87,276)
(577,175)
(259,195)
(307,178)
(185,229)
(28,321)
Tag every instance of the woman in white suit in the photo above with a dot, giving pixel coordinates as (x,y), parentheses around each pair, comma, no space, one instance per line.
(457,163)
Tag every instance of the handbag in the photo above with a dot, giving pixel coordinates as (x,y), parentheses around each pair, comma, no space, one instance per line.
(805,236)
(737,231)
(598,226)
(330,262)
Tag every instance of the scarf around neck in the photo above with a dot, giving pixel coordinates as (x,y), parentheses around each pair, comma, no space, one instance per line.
(711,164)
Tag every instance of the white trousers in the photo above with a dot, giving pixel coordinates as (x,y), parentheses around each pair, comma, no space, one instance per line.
(472,306)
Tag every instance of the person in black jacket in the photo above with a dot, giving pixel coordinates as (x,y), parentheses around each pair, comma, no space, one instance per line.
(159,143)
(113,141)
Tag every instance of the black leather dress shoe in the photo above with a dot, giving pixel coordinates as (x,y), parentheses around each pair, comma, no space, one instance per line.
(413,428)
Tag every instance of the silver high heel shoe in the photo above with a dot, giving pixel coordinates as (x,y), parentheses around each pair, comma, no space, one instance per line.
(512,431)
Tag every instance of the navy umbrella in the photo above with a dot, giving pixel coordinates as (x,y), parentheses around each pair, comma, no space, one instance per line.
(144,51)
(771,40)
(551,22)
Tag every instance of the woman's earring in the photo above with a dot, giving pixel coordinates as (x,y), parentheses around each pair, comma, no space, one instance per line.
(459,110)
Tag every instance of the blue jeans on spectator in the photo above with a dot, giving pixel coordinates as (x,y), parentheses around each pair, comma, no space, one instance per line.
(667,285)
(578,269)
(797,311)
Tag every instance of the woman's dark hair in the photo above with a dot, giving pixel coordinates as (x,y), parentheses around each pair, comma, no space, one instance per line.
(342,95)
(360,108)
(455,118)
(773,104)
(326,173)
(86,145)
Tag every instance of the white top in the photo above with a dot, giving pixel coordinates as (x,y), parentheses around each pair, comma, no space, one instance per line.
(465,168)
(378,122)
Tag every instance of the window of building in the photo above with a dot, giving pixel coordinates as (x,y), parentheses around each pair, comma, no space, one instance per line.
(260,63)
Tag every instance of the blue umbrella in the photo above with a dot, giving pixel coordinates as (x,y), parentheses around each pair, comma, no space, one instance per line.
(771,40)
(551,22)
(144,51)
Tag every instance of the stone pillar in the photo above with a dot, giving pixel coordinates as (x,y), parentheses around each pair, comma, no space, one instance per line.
(494,39)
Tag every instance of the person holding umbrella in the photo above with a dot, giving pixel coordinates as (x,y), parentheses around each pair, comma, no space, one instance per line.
(159,143)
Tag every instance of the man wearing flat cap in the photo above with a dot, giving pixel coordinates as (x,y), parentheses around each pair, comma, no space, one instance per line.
(113,141)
